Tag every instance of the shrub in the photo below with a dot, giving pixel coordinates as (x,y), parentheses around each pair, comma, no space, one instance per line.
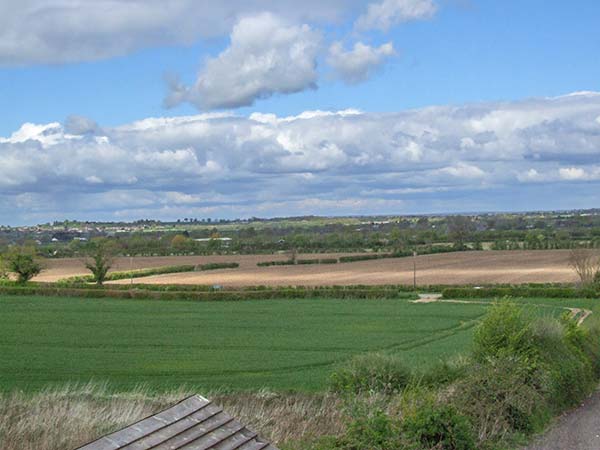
(276,263)
(500,398)
(444,372)
(355,258)
(216,266)
(521,291)
(374,430)
(504,331)
(438,426)
(369,426)
(328,261)
(371,372)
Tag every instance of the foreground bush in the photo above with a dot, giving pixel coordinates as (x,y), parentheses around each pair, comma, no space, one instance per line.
(434,426)
(372,372)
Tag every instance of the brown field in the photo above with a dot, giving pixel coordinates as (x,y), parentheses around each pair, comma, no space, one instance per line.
(481,267)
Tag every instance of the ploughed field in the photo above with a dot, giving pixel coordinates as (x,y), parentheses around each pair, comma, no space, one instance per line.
(481,267)
(246,345)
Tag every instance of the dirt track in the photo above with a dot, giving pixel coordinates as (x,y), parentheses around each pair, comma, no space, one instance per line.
(576,430)
(450,268)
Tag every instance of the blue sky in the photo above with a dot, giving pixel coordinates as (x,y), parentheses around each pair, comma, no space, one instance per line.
(483,58)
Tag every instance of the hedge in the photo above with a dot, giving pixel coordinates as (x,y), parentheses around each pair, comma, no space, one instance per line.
(209,295)
(113,276)
(275,263)
(216,266)
(520,291)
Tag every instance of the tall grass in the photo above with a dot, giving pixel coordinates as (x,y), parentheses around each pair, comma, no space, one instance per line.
(67,417)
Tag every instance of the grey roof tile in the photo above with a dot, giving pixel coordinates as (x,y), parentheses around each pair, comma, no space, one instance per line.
(193,424)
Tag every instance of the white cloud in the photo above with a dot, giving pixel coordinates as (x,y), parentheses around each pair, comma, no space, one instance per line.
(230,165)
(385,14)
(59,31)
(358,64)
(266,56)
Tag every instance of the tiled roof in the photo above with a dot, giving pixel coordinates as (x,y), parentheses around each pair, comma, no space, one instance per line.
(193,424)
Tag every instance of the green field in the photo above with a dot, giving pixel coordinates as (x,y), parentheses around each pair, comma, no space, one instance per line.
(280,344)
(276,344)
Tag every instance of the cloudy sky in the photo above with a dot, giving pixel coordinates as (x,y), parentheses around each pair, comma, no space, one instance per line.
(127,109)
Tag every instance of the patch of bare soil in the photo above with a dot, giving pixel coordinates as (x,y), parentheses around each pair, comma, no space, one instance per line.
(484,267)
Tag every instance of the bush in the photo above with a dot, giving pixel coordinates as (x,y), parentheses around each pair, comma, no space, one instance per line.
(438,426)
(444,372)
(520,291)
(276,263)
(216,266)
(355,258)
(500,398)
(373,430)
(371,372)
(504,331)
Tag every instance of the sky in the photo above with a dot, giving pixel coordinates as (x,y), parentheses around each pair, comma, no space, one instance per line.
(133,109)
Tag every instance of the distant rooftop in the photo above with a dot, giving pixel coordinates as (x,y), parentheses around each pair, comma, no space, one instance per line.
(193,424)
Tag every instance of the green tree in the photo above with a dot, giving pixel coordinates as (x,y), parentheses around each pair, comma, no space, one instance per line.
(3,268)
(460,230)
(179,243)
(23,262)
(100,260)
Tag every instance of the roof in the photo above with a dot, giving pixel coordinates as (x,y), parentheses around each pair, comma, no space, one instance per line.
(193,424)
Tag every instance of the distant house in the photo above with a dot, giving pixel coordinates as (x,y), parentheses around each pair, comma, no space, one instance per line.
(222,239)
(193,424)
(225,241)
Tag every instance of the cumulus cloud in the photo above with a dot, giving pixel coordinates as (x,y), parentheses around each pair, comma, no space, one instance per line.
(385,14)
(59,31)
(266,56)
(358,64)
(442,158)
(78,125)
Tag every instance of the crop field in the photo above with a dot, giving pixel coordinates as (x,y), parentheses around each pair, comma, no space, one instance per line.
(279,344)
(482,267)
(275,344)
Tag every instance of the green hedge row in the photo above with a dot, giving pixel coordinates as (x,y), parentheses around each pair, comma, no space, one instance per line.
(216,266)
(298,261)
(213,295)
(275,263)
(520,291)
(113,276)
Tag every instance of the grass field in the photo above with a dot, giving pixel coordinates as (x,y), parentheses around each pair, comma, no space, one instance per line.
(278,344)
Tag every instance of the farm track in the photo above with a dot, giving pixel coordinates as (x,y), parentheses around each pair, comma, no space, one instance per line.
(581,314)
(482,267)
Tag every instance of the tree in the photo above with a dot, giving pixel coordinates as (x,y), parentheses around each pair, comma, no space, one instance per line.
(586,263)
(179,242)
(23,262)
(3,269)
(460,229)
(100,261)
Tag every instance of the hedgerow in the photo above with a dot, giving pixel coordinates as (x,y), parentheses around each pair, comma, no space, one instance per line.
(141,273)
(520,291)
(205,294)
